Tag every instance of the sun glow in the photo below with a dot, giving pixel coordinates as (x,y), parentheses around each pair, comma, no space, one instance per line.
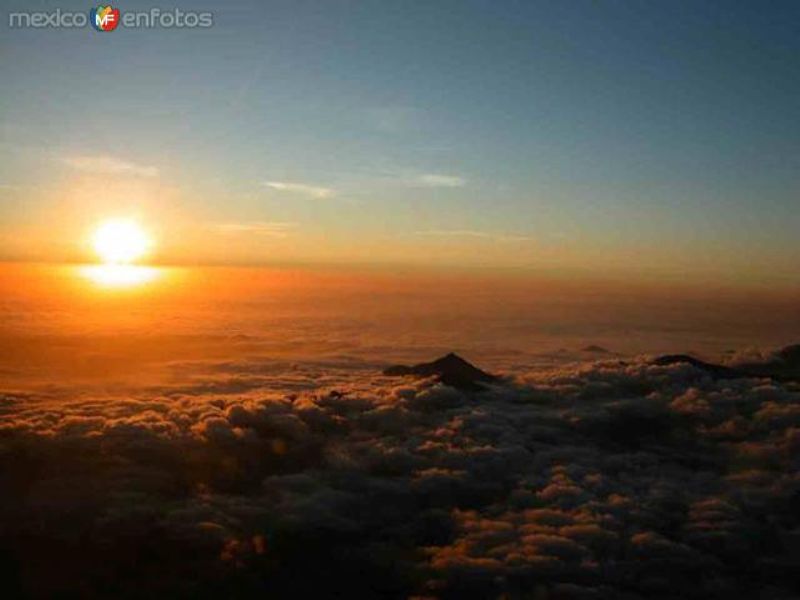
(120,242)
(119,276)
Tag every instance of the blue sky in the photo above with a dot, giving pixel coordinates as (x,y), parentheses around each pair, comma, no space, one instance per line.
(603,129)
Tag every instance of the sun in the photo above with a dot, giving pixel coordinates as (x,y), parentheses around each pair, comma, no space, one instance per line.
(120,241)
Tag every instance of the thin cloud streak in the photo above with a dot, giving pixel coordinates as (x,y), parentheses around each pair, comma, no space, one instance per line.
(109,165)
(263,228)
(469,233)
(304,189)
(440,180)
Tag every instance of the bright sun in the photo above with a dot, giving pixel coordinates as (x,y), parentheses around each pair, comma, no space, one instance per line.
(120,242)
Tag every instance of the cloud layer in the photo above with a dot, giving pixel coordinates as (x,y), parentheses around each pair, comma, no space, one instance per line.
(606,479)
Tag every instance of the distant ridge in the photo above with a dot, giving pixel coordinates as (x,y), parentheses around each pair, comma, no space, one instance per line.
(450,369)
(783,366)
(716,371)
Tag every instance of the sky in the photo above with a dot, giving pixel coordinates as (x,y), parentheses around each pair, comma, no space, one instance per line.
(557,191)
(643,140)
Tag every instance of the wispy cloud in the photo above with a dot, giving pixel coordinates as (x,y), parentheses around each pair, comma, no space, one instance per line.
(470,233)
(439,180)
(264,228)
(109,165)
(305,189)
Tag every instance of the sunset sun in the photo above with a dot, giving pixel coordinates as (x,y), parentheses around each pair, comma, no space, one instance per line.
(120,242)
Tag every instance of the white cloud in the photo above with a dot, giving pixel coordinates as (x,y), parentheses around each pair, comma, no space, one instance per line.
(304,189)
(439,180)
(265,228)
(109,165)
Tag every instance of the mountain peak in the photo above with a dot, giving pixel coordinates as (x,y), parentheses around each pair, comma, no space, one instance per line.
(450,369)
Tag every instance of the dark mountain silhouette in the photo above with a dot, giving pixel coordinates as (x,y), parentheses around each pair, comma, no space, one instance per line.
(450,369)
(783,366)
(716,371)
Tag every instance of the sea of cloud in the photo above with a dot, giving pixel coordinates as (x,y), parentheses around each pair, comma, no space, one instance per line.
(597,479)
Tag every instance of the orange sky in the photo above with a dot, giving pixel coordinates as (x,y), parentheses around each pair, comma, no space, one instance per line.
(60,227)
